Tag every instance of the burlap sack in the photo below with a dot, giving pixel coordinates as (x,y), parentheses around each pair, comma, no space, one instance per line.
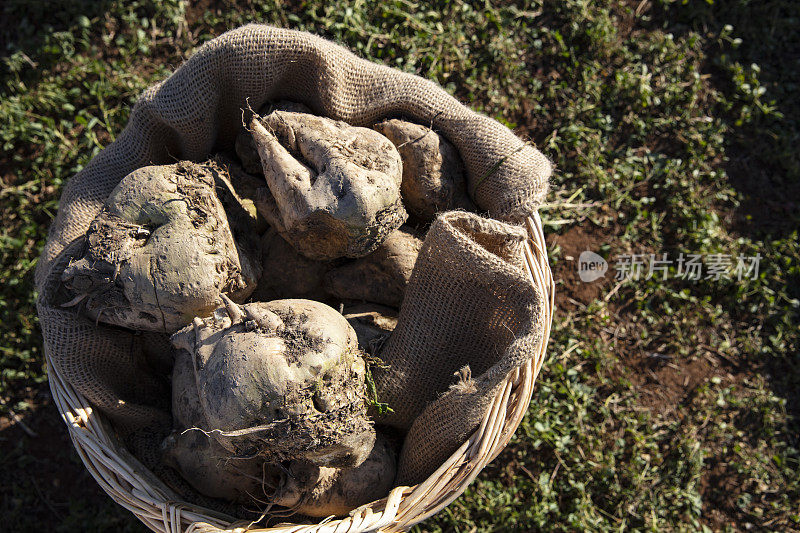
(198,110)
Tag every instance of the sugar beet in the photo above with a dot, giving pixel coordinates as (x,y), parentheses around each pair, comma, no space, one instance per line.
(283,380)
(333,189)
(320,491)
(433,174)
(380,277)
(160,252)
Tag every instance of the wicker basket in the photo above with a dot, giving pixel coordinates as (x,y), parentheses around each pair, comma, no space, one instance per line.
(139,491)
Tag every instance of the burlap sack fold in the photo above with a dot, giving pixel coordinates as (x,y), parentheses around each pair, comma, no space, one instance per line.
(469,302)
(442,428)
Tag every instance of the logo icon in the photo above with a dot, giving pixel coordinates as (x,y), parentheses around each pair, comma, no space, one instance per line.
(591,266)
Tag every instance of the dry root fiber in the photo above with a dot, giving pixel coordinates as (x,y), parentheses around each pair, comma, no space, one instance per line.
(380,277)
(160,252)
(333,189)
(433,175)
(283,380)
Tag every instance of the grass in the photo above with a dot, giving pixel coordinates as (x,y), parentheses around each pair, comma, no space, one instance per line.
(665,404)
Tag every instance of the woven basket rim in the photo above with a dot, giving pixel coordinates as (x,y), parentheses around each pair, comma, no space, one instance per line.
(132,486)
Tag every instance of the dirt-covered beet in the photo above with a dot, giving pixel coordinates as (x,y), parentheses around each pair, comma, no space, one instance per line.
(333,189)
(202,461)
(160,252)
(287,273)
(213,471)
(433,174)
(282,380)
(321,491)
(380,277)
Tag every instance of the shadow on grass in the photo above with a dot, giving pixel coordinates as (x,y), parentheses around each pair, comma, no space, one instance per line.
(33,25)
(764,163)
(758,45)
